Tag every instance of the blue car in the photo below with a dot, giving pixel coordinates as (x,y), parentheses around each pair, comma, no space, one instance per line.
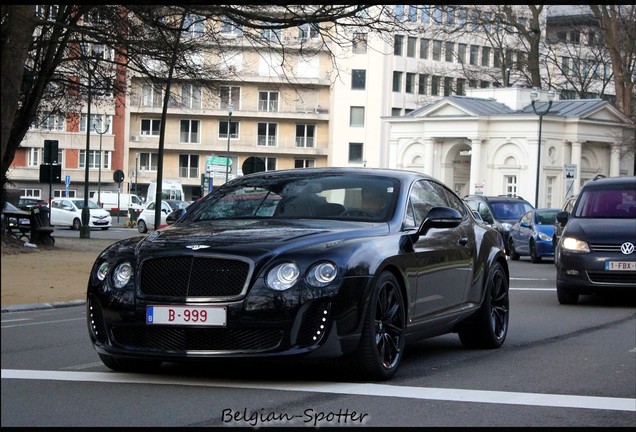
(532,235)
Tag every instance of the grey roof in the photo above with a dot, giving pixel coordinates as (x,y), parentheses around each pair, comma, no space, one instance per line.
(490,107)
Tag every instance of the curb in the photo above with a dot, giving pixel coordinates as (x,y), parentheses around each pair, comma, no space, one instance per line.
(40,306)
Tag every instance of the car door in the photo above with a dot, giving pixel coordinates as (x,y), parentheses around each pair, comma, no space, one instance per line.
(521,234)
(444,256)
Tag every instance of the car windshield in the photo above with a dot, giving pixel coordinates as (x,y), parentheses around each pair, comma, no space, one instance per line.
(607,203)
(91,204)
(545,217)
(510,210)
(343,197)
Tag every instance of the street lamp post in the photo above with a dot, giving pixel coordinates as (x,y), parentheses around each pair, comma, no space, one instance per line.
(534,96)
(230,107)
(99,173)
(85,229)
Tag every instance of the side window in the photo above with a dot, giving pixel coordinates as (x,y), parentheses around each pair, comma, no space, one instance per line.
(527,218)
(449,198)
(423,197)
(485,213)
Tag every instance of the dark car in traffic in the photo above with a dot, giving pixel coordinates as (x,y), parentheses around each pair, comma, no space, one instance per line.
(499,211)
(532,235)
(597,250)
(314,263)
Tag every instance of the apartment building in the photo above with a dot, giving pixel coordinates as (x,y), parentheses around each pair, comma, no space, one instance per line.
(254,119)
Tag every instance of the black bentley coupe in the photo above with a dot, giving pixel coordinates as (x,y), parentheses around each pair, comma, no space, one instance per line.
(348,264)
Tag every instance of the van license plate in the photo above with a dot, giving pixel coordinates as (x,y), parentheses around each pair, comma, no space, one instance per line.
(620,265)
(187,315)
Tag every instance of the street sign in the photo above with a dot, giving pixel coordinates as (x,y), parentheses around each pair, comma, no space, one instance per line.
(67,181)
(217,163)
(569,170)
(118,176)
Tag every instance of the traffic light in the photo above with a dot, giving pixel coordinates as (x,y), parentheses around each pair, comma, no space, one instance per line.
(50,151)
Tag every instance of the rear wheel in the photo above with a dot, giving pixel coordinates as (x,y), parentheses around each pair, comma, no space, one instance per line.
(533,253)
(77,224)
(141,226)
(488,327)
(511,248)
(382,342)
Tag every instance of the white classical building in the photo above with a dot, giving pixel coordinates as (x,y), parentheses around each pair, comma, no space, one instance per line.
(487,142)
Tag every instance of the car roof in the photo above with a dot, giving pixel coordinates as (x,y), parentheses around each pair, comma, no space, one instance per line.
(303,172)
(496,198)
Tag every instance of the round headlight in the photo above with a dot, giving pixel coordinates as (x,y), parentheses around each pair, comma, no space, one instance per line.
(102,271)
(322,274)
(122,274)
(283,276)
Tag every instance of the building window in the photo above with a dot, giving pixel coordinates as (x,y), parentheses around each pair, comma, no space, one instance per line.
(34,193)
(94,159)
(474,53)
(49,121)
(450,16)
(462,15)
(356,116)
(150,127)
(229,28)
(398,42)
(148,161)
(549,191)
(397,81)
(34,156)
(412,13)
(191,96)
(151,95)
(268,101)
(305,135)
(229,94)
(410,82)
(97,122)
(266,134)
(461,53)
(358,79)
(396,112)
(189,131)
(484,84)
(189,166)
(309,31)
(426,15)
(61,193)
(355,153)
(461,87)
(399,12)
(271,35)
(424,48)
(565,66)
(448,86)
(411,43)
(304,163)
(422,84)
(511,184)
(435,83)
(448,54)
(485,56)
(437,50)
(437,14)
(496,59)
(359,43)
(234,130)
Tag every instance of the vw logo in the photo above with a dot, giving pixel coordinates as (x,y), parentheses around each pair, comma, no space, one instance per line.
(197,247)
(627,248)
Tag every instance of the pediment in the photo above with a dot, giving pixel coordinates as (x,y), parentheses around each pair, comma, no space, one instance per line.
(445,109)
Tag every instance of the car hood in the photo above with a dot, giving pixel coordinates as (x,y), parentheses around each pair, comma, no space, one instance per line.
(602,230)
(233,236)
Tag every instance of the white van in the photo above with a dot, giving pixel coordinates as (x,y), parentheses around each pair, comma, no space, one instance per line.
(170,189)
(113,200)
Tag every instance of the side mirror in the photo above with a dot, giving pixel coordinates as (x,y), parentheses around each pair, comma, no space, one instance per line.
(562,217)
(440,217)
(175,216)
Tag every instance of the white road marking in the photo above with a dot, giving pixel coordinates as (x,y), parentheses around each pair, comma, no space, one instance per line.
(447,394)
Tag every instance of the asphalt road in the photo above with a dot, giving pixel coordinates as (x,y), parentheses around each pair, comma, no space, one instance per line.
(560,366)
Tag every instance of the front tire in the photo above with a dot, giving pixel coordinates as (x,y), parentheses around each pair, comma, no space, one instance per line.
(511,248)
(534,257)
(382,341)
(488,327)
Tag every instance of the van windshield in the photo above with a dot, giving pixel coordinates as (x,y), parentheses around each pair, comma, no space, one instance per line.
(607,203)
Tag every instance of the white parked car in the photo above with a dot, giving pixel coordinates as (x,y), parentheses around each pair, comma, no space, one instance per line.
(68,212)
(146,219)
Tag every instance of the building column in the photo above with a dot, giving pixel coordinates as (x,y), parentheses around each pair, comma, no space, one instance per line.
(429,156)
(475,165)
(615,160)
(576,159)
